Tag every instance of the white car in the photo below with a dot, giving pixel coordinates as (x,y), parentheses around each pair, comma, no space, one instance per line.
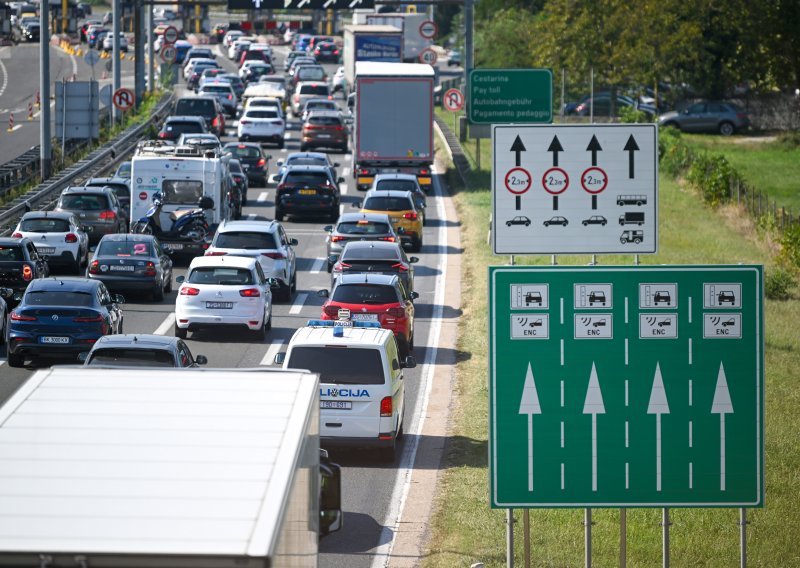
(223,291)
(189,69)
(58,236)
(265,241)
(261,124)
(234,47)
(108,42)
(265,102)
(231,37)
(338,82)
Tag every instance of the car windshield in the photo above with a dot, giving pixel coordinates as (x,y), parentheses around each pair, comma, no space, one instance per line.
(381,203)
(131,357)
(179,128)
(312,105)
(83,202)
(222,275)
(11,253)
(217,89)
(244,151)
(124,170)
(357,366)
(363,228)
(364,294)
(396,185)
(313,73)
(306,178)
(59,298)
(125,248)
(44,225)
(245,240)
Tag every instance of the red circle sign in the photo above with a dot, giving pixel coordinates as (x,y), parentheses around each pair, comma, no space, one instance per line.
(428,56)
(453,100)
(168,53)
(143,196)
(555,181)
(123,99)
(428,29)
(594,180)
(171,34)
(518,180)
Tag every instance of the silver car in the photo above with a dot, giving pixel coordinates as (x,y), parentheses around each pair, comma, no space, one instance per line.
(224,93)
(358,227)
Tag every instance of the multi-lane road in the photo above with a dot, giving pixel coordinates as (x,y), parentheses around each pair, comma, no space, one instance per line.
(374,492)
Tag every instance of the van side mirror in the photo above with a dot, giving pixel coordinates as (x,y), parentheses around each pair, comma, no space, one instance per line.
(358,204)
(280,358)
(6,292)
(340,180)
(293,242)
(409,362)
(118,299)
(328,228)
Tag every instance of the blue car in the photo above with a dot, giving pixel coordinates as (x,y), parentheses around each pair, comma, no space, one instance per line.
(61,317)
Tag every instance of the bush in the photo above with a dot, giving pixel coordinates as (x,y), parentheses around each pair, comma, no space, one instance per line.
(790,246)
(712,175)
(779,283)
(789,140)
(631,115)
(674,154)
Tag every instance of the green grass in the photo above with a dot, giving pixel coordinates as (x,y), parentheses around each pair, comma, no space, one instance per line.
(465,530)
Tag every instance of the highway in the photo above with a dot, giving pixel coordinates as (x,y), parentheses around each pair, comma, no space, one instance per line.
(373,491)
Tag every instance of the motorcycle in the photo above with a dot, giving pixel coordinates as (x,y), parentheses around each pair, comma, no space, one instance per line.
(187,224)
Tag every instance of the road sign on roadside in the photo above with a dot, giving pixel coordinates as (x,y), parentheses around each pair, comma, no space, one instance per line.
(91,58)
(123,99)
(626,386)
(595,189)
(499,96)
(170,34)
(168,53)
(428,56)
(428,29)
(453,100)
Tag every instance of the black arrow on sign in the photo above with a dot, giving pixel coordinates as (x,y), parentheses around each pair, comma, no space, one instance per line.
(630,147)
(518,147)
(594,147)
(555,147)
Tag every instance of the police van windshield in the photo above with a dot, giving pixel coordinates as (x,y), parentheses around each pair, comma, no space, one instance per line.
(344,366)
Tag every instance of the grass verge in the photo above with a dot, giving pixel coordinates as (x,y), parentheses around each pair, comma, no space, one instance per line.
(465,530)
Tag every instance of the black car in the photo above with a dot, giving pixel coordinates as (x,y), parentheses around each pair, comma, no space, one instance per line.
(239,177)
(20,264)
(142,350)
(120,186)
(97,208)
(206,107)
(308,191)
(174,126)
(327,51)
(132,262)
(30,32)
(375,257)
(253,161)
(61,316)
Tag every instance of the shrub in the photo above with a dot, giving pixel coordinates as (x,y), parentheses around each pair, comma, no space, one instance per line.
(631,115)
(789,140)
(674,154)
(712,175)
(779,283)
(790,246)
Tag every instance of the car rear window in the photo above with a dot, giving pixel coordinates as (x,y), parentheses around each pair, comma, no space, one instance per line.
(312,73)
(362,228)
(132,357)
(179,128)
(44,225)
(314,90)
(11,253)
(381,203)
(216,89)
(262,114)
(310,178)
(182,192)
(59,298)
(264,103)
(244,151)
(125,248)
(324,120)
(245,240)
(307,161)
(367,253)
(195,107)
(326,105)
(396,185)
(364,294)
(222,275)
(83,202)
(339,365)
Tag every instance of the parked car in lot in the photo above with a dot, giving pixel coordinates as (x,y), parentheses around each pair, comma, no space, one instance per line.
(358,227)
(131,263)
(95,207)
(708,116)
(254,162)
(602,105)
(60,317)
(142,350)
(58,236)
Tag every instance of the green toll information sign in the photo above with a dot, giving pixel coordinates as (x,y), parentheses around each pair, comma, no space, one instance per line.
(626,386)
(498,96)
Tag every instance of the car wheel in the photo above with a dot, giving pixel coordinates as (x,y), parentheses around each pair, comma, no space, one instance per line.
(261,333)
(181,333)
(637,241)
(15,360)
(268,325)
(78,266)
(158,292)
(528,224)
(726,129)
(603,224)
(418,244)
(566,223)
(278,215)
(585,224)
(546,223)
(293,285)
(169,284)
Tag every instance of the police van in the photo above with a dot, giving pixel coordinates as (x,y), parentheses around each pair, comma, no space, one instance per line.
(362,393)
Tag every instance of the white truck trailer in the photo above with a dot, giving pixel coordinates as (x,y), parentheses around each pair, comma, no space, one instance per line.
(370,43)
(164,468)
(409,23)
(393,121)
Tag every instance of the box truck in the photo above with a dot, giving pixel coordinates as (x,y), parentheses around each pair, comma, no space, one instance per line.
(393,129)
(370,43)
(409,24)
(166,468)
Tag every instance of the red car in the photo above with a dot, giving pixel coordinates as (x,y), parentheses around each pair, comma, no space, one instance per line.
(380,298)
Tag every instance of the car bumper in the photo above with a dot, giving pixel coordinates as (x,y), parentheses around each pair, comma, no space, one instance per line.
(26,344)
(318,142)
(309,208)
(198,321)
(60,258)
(184,247)
(127,283)
(384,441)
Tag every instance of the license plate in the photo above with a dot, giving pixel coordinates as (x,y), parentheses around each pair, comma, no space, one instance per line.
(365,317)
(323,135)
(54,339)
(308,192)
(363,180)
(219,305)
(426,181)
(172,246)
(337,404)
(43,250)
(121,268)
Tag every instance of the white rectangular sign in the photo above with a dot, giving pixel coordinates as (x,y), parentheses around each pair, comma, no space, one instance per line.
(575,189)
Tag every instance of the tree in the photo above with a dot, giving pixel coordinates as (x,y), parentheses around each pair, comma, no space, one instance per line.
(503,40)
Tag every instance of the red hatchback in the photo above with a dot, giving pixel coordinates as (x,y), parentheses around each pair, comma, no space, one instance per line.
(379,298)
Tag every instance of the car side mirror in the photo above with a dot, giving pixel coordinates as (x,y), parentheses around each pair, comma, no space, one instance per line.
(280,163)
(83,356)
(44,257)
(272,282)
(340,179)
(395,365)
(409,362)
(685,111)
(201,360)
(400,230)
(180,279)
(328,228)
(293,242)
(268,157)
(118,299)
(413,260)
(280,358)
(6,292)
(414,295)
(323,293)
(336,164)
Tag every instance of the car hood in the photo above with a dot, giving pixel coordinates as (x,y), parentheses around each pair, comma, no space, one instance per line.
(668,115)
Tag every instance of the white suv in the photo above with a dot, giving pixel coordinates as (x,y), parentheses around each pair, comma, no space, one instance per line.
(362,392)
(57,235)
(262,124)
(265,241)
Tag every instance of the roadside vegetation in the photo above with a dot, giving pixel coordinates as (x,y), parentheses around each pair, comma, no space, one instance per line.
(692,231)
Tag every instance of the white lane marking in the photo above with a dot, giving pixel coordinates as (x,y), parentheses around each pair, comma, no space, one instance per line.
(2,362)
(269,357)
(251,216)
(343,188)
(346,171)
(287,136)
(402,484)
(341,208)
(262,196)
(17,127)
(317,266)
(298,304)
(165,325)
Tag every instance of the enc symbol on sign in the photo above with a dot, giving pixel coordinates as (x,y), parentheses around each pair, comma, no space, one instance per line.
(428,56)
(428,29)
(123,99)
(453,100)
(171,35)
(168,53)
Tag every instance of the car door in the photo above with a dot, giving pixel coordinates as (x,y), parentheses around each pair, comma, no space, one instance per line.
(164,261)
(266,290)
(693,118)
(408,306)
(288,250)
(83,237)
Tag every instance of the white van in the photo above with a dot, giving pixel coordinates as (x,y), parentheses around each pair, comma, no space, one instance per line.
(362,395)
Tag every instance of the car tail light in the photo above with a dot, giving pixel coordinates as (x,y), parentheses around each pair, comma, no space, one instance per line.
(162,135)
(424,172)
(27,273)
(215,253)
(150,269)
(330,97)
(274,255)
(339,128)
(189,291)
(94,268)
(296,98)
(363,172)
(230,97)
(400,266)
(107,215)
(215,122)
(386,407)
(261,163)
(412,215)
(741,115)
(278,122)
(396,312)
(71,238)
(244,122)
(388,239)
(339,266)
(250,293)
(19,317)
(90,319)
(337,238)
(16,236)
(336,52)
(332,311)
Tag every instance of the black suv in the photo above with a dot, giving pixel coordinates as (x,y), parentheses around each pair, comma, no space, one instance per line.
(207,107)
(174,126)
(308,190)
(254,162)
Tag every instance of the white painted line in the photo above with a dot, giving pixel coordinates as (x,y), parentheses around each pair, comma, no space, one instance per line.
(269,358)
(166,325)
(561,301)
(627,476)
(341,209)
(251,216)
(690,350)
(690,433)
(345,171)
(262,196)
(626,393)
(5,77)
(627,434)
(2,362)
(298,304)
(562,352)
(316,268)
(626,350)
(690,392)
(562,432)
(626,309)
(343,188)
(690,309)
(562,393)
(562,477)
(287,136)
(17,127)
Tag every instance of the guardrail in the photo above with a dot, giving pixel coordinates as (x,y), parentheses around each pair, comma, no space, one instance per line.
(45,194)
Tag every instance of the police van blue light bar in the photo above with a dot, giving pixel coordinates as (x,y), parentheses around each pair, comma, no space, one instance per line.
(332,323)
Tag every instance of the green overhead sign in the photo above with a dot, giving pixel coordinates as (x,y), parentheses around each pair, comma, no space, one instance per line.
(626,386)
(498,96)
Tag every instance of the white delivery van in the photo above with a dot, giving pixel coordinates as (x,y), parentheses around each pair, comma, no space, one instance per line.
(362,394)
